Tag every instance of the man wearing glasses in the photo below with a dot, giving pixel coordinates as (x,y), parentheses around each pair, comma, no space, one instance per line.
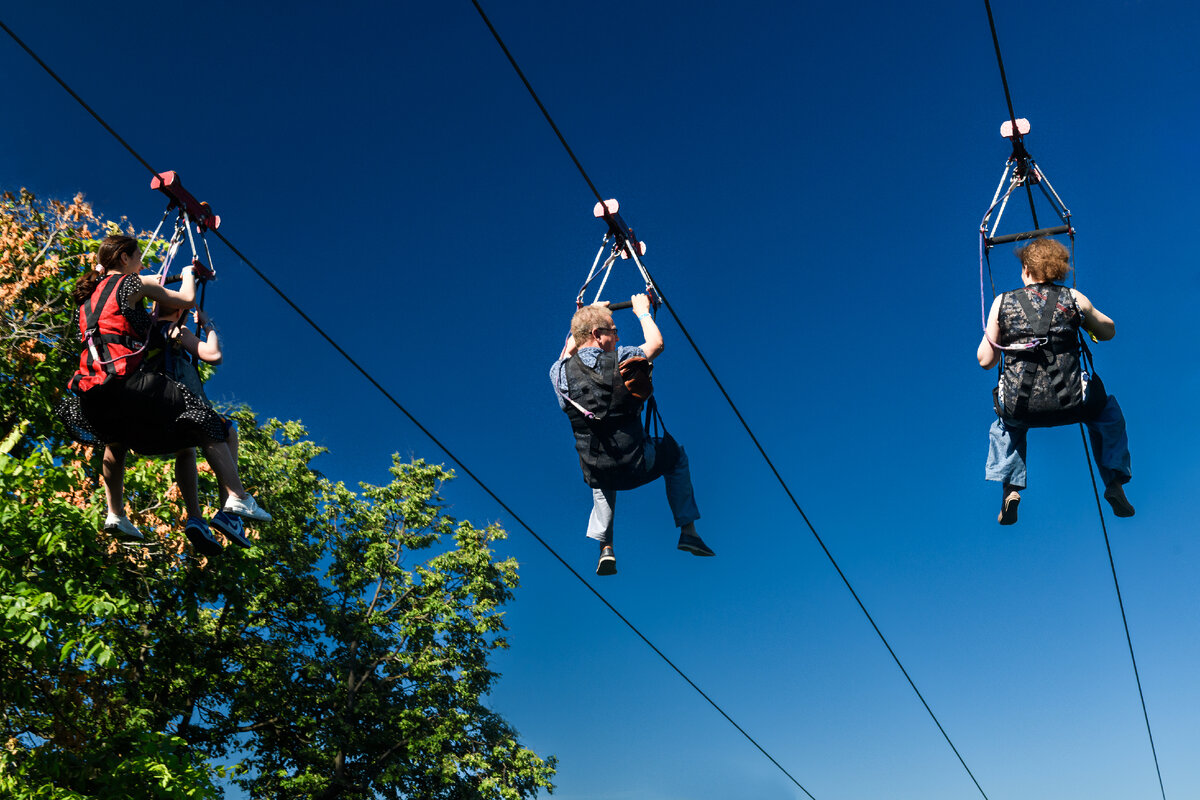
(603,388)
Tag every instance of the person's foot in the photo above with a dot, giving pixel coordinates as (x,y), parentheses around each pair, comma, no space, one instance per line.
(692,543)
(1008,508)
(201,537)
(119,525)
(246,507)
(1115,495)
(608,562)
(233,527)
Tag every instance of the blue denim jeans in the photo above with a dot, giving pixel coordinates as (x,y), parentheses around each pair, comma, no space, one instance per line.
(679,496)
(1110,448)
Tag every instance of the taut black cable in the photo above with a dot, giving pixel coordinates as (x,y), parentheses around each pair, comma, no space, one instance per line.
(78,99)
(371,379)
(537,100)
(1121,603)
(742,419)
(1018,144)
(1124,621)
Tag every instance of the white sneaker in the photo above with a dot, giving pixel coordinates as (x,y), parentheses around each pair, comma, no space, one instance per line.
(246,507)
(119,525)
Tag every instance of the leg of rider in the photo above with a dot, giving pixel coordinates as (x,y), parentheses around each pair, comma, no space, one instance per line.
(112,470)
(680,496)
(1110,444)
(232,441)
(223,464)
(1006,455)
(600,524)
(189,481)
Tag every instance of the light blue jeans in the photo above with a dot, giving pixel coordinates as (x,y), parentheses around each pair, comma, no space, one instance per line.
(679,496)
(1110,448)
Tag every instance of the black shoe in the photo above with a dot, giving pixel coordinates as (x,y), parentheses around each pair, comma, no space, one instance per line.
(1008,508)
(608,562)
(1115,495)
(201,538)
(693,544)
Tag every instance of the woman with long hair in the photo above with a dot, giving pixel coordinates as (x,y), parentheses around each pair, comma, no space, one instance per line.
(115,402)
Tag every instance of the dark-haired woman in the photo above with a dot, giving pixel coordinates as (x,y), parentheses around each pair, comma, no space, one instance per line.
(116,403)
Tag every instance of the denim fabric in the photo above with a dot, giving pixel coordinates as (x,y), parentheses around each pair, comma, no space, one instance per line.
(679,496)
(1110,448)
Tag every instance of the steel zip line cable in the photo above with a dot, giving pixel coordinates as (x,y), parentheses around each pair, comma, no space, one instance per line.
(1018,145)
(1121,604)
(371,379)
(1095,490)
(738,414)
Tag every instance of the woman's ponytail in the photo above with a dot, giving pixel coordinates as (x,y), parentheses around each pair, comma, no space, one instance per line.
(109,255)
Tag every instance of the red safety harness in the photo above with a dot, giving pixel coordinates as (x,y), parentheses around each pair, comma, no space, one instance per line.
(111,348)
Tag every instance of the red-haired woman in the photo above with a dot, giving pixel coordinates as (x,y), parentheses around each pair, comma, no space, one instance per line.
(1043,381)
(116,403)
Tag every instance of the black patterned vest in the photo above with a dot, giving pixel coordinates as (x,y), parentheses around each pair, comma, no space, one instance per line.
(1044,385)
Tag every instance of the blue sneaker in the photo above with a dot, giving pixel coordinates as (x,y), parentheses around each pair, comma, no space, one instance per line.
(233,527)
(201,537)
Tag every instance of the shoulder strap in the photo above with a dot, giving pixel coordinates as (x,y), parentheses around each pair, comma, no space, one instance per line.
(1041,330)
(93,307)
(90,315)
(1041,324)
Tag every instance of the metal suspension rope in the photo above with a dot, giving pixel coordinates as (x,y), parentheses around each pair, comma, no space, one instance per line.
(1060,208)
(371,379)
(1018,145)
(537,100)
(741,419)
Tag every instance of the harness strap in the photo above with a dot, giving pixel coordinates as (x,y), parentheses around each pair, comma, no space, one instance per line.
(653,419)
(587,414)
(117,338)
(92,337)
(1041,331)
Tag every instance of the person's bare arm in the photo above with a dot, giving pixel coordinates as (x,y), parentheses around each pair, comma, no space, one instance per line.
(1095,322)
(986,353)
(653,346)
(151,289)
(209,348)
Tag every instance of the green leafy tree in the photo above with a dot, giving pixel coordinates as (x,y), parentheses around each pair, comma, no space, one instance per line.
(345,656)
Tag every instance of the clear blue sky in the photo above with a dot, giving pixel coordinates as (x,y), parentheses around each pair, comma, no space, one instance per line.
(809,179)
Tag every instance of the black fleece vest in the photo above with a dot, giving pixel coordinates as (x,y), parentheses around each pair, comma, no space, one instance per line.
(610,442)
